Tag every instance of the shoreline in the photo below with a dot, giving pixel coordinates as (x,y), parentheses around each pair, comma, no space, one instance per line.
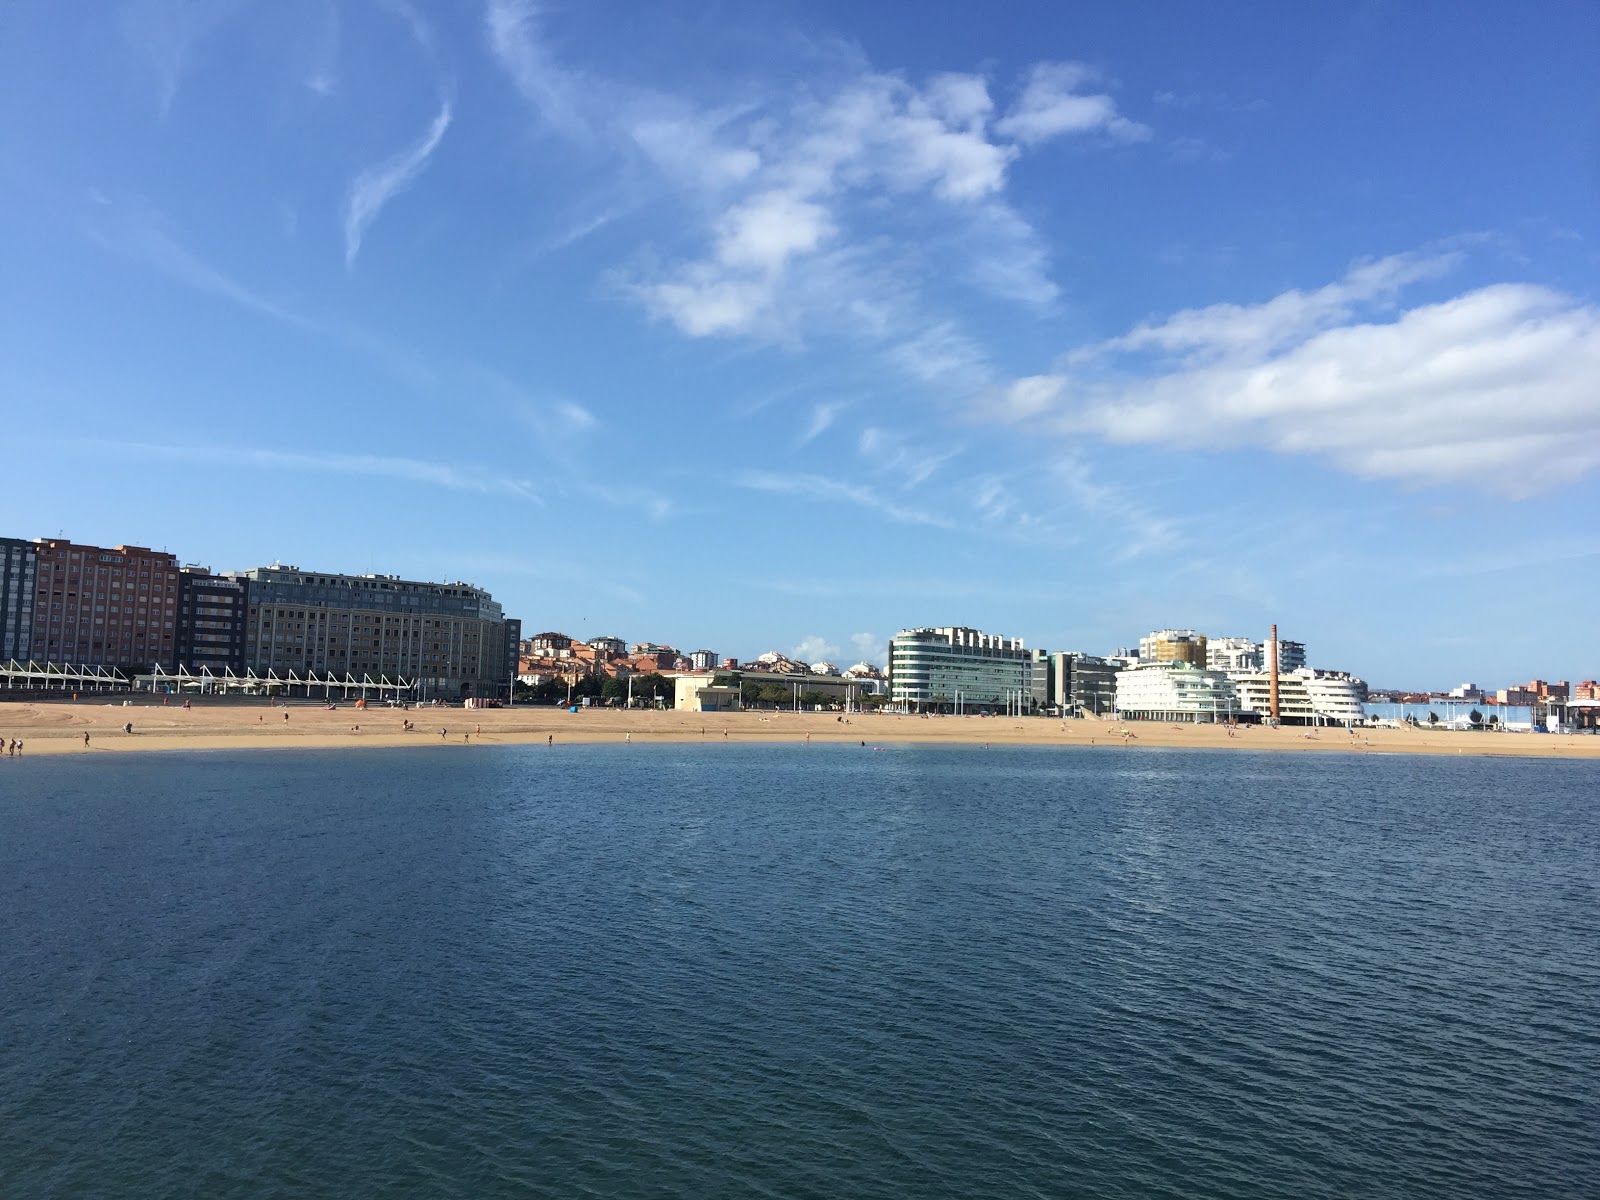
(57,727)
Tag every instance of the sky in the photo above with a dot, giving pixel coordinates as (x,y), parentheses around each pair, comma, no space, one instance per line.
(769,325)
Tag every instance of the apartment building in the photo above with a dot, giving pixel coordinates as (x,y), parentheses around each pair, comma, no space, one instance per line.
(19,561)
(1175,691)
(212,611)
(104,606)
(450,637)
(1305,696)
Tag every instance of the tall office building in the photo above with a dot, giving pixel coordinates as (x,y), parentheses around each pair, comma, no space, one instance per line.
(450,637)
(18,564)
(105,606)
(955,666)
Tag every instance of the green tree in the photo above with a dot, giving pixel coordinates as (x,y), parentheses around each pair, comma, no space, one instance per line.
(1433,718)
(1476,718)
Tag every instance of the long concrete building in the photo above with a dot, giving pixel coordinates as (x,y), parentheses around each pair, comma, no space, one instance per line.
(452,638)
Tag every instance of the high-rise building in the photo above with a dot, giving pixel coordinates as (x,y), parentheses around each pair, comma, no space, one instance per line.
(956,667)
(212,610)
(703,660)
(105,606)
(451,637)
(1291,656)
(18,563)
(1174,645)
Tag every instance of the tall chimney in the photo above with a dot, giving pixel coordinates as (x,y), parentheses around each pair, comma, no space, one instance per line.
(1272,694)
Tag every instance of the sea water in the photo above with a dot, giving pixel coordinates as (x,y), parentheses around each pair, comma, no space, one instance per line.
(824,971)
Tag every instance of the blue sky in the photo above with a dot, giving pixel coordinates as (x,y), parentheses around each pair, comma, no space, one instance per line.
(777,326)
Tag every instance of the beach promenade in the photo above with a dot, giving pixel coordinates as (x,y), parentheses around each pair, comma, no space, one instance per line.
(57,727)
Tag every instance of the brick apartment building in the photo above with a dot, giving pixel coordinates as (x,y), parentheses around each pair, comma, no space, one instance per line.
(104,606)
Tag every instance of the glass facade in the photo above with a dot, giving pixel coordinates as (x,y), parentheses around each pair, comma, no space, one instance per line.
(956,667)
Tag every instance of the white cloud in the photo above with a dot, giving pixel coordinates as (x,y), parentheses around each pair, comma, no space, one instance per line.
(376,186)
(1053,104)
(1495,387)
(688,146)
(814,649)
(764,232)
(869,647)
(830,208)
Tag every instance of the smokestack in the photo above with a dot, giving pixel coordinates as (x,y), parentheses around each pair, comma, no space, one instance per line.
(1272,694)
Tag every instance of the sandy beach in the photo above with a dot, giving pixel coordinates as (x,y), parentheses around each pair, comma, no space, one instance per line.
(57,727)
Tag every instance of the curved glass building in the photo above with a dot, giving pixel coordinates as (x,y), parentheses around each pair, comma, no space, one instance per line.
(955,669)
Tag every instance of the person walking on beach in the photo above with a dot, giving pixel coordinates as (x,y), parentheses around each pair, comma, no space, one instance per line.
(85,739)
(442,732)
(286,714)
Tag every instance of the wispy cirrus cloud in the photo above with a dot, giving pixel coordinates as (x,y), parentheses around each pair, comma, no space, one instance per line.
(377,185)
(821,420)
(551,88)
(139,233)
(142,234)
(825,488)
(317,462)
(166,33)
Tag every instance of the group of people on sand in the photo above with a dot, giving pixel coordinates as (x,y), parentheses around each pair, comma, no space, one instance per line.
(13,750)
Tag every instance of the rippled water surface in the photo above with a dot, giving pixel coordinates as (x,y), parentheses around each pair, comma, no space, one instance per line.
(810,972)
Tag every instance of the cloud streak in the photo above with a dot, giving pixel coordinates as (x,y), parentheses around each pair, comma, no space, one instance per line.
(376,186)
(821,487)
(406,470)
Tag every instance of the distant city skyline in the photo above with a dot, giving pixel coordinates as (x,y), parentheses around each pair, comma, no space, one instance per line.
(786,327)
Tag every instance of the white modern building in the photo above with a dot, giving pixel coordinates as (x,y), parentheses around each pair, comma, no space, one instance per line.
(1305,696)
(1235,655)
(957,669)
(1175,691)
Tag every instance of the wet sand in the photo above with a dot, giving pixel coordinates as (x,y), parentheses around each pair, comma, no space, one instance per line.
(57,727)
